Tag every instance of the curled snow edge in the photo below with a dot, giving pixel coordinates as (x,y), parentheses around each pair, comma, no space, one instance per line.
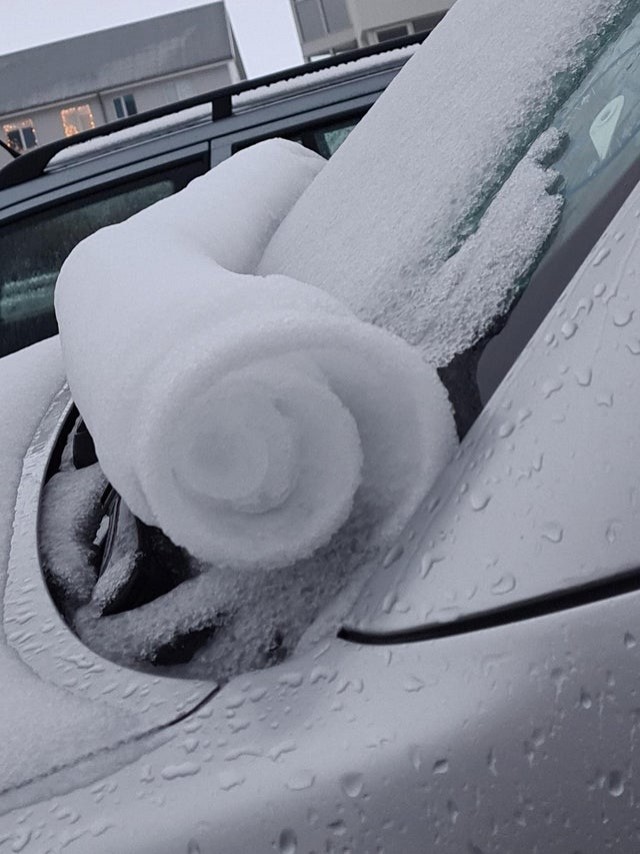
(248,417)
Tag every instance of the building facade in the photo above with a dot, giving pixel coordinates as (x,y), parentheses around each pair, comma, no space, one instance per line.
(327,27)
(65,87)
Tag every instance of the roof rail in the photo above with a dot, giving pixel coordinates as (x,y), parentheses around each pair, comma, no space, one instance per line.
(9,149)
(33,163)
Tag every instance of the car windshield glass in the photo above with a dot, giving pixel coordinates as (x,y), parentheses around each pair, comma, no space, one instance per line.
(600,122)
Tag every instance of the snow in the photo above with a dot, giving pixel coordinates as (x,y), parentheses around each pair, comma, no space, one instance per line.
(249,418)
(240,102)
(381,225)
(65,560)
(324,76)
(33,739)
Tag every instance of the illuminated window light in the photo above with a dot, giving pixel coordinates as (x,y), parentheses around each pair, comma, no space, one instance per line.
(77,119)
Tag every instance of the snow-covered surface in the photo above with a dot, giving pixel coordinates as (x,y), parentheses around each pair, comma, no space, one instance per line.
(383,223)
(41,726)
(244,100)
(324,76)
(247,417)
(137,133)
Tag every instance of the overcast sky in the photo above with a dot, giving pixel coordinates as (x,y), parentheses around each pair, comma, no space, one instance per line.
(264,29)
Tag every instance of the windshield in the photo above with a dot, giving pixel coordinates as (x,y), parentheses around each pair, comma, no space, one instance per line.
(598,167)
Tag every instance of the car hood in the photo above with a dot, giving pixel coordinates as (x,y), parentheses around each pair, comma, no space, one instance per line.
(60,703)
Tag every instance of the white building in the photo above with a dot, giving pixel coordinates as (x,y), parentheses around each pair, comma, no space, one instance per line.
(327,27)
(65,87)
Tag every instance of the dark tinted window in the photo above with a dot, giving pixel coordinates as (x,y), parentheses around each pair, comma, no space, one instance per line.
(33,248)
(327,140)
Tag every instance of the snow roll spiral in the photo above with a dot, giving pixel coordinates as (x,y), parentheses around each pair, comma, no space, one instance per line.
(247,417)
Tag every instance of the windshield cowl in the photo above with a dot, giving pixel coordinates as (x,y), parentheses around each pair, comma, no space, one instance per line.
(544,494)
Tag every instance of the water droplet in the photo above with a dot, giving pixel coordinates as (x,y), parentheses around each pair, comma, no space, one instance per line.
(629,640)
(352,785)
(413,684)
(479,500)
(584,305)
(20,840)
(569,329)
(605,399)
(599,289)
(427,564)
(454,812)
(613,531)
(229,780)
(291,680)
(601,256)
(615,784)
(288,842)
(504,585)
(584,377)
(550,386)
(622,317)
(301,780)
(585,699)
(633,346)
(389,602)
(441,766)
(553,532)
(393,555)
(185,769)
(193,847)
(506,429)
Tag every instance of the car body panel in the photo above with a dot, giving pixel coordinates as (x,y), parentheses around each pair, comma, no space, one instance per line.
(544,493)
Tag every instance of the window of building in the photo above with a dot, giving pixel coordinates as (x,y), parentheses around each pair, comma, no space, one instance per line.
(20,135)
(425,23)
(392,33)
(318,18)
(336,15)
(77,119)
(125,105)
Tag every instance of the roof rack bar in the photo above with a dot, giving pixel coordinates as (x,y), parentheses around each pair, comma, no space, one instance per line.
(34,162)
(9,149)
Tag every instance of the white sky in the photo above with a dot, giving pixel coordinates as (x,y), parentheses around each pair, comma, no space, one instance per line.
(264,29)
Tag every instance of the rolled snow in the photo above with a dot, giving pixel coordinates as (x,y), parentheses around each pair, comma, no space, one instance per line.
(248,417)
(385,221)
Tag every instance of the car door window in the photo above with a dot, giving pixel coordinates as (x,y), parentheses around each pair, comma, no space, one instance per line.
(33,248)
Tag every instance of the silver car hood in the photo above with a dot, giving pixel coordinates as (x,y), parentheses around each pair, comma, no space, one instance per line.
(61,704)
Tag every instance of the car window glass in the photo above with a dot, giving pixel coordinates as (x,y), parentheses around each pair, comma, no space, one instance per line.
(43,241)
(601,124)
(329,139)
